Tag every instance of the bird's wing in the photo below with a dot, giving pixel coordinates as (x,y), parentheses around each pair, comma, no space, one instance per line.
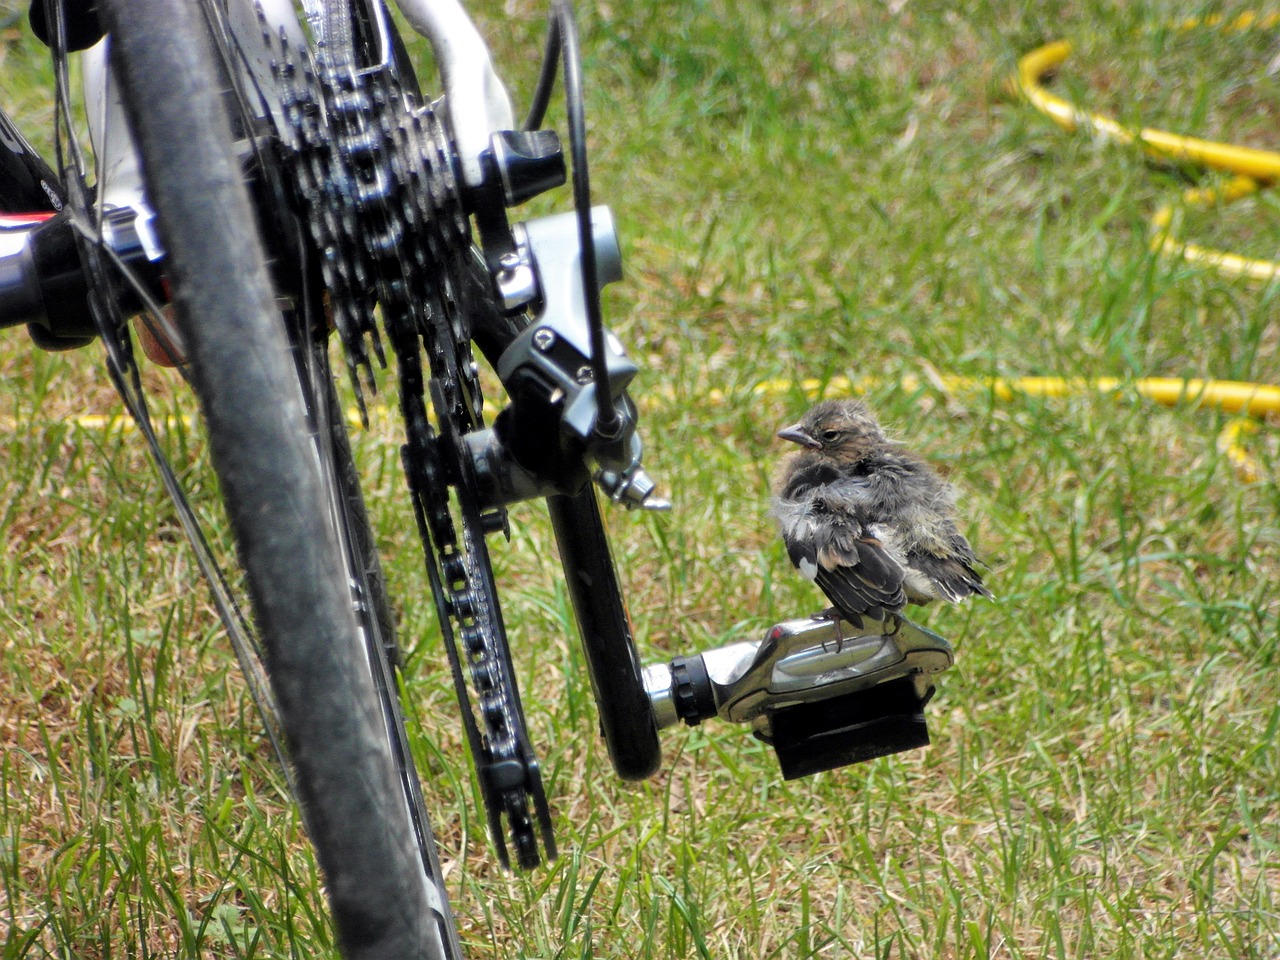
(834,549)
(866,580)
(949,578)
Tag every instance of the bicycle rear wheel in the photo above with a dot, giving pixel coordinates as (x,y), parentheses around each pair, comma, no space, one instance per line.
(297,520)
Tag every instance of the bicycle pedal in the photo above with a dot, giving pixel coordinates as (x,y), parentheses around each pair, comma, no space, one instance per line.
(798,662)
(823,694)
(854,728)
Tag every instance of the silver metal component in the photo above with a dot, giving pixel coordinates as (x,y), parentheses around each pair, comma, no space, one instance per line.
(544,338)
(21,298)
(477,101)
(660,686)
(123,229)
(145,227)
(554,249)
(516,279)
(553,245)
(632,488)
(805,661)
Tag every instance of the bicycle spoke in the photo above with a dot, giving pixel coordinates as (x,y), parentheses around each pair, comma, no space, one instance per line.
(104,269)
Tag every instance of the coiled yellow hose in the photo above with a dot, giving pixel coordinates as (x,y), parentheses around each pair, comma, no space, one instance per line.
(1231,396)
(1253,168)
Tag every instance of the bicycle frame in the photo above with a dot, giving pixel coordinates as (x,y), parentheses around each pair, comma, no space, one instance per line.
(806,687)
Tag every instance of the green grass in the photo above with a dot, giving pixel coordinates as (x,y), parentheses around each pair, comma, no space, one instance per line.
(803,191)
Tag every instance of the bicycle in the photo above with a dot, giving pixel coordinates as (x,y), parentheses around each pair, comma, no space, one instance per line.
(264,184)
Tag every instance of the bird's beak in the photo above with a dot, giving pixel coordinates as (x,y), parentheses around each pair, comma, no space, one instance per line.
(796,434)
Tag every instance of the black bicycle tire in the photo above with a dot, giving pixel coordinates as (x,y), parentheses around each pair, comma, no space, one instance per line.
(253,405)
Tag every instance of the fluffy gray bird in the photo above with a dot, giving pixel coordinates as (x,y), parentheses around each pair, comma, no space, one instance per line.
(867,520)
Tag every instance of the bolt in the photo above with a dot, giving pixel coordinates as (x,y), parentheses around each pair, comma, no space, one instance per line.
(585,374)
(508,262)
(544,338)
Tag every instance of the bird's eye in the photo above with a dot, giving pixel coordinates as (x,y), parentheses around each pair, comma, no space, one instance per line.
(830,435)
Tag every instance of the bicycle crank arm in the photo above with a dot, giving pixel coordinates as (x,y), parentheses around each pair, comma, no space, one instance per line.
(823,693)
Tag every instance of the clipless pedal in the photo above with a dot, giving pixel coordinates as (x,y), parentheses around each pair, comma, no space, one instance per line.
(821,692)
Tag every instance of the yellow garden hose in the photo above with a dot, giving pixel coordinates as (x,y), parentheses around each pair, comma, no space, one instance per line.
(1261,165)
(1253,168)
(1231,396)
(1163,241)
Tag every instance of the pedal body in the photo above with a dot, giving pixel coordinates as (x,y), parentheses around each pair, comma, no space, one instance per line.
(853,728)
(822,693)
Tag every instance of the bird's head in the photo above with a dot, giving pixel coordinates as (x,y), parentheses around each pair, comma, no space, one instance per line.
(842,430)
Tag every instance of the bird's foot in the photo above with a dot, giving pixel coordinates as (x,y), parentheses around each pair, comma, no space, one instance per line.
(839,618)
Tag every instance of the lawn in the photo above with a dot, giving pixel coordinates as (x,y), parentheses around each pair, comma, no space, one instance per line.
(813,199)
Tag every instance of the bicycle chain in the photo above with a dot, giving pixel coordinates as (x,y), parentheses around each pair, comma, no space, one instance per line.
(373,176)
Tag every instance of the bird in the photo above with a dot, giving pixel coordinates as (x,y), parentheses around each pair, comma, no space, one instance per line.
(867,520)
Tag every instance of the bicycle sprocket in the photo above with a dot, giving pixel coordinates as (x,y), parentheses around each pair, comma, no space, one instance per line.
(372,173)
